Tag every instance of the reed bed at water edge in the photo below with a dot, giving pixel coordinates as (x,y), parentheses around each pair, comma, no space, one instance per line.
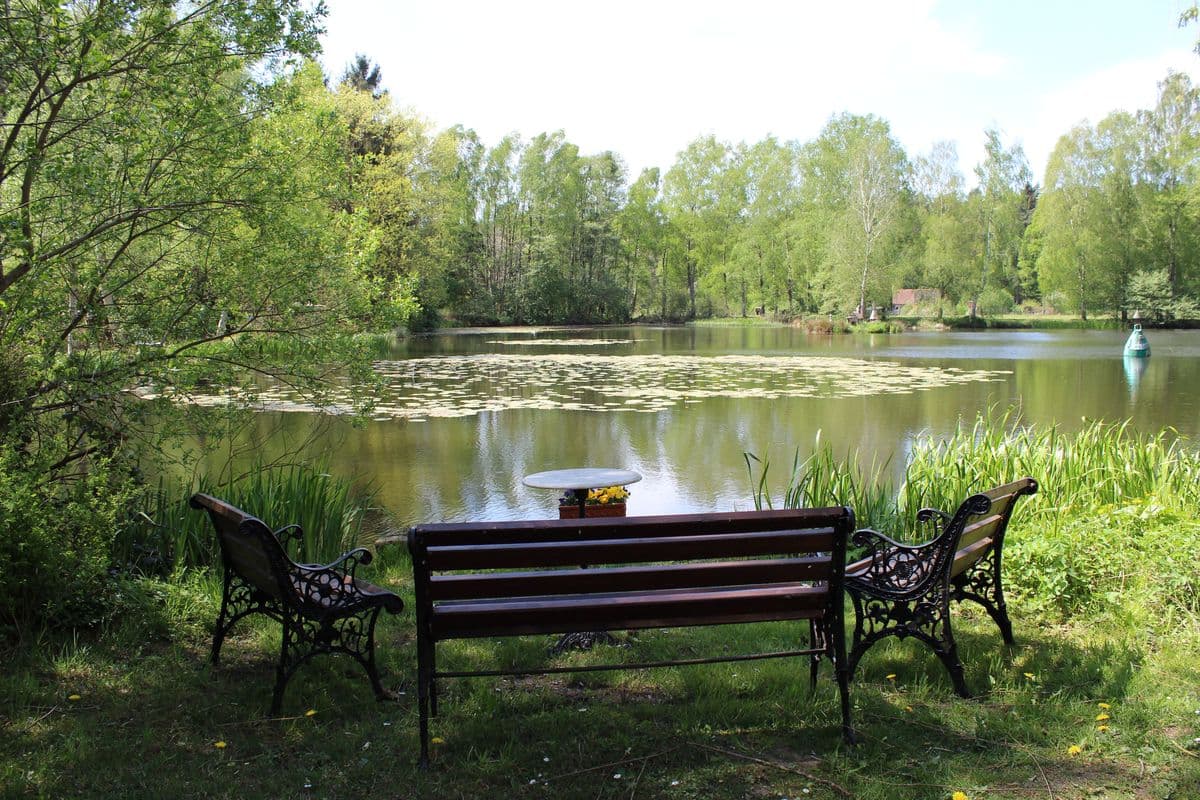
(1107,494)
(172,536)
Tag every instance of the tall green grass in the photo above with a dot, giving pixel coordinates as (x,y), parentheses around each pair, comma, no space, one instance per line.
(1114,515)
(170,536)
(1101,464)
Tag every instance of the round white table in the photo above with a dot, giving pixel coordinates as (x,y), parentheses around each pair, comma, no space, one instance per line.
(580,480)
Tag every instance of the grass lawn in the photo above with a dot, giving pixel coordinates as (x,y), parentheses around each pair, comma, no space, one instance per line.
(136,711)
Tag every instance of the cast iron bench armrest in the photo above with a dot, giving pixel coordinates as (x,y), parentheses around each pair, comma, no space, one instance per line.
(322,608)
(905,590)
(289,533)
(892,567)
(935,515)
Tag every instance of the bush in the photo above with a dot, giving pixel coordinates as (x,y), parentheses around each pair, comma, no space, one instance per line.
(54,554)
(994,301)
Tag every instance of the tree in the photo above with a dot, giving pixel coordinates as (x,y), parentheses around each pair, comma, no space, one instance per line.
(762,253)
(1171,135)
(641,226)
(166,207)
(1150,292)
(1006,189)
(950,248)
(1070,225)
(857,172)
(700,208)
(361,76)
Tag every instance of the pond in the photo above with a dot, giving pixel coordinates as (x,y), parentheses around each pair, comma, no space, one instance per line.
(463,415)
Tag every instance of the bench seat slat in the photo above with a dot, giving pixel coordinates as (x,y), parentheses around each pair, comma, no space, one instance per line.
(617,579)
(627,610)
(626,551)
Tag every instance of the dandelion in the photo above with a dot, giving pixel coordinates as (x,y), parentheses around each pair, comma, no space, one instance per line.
(1102,728)
(959,796)
(219,745)
(1101,717)
(75,698)
(1074,750)
(908,709)
(1031,676)
(1104,706)
(437,740)
(891,677)
(312,712)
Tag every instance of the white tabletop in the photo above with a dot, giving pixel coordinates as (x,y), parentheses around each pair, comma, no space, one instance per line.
(581,478)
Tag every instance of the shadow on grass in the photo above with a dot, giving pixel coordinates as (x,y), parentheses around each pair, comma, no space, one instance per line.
(152,712)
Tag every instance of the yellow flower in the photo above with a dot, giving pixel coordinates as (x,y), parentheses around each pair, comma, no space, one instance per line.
(1101,717)
(1105,706)
(219,745)
(1031,676)
(1102,728)
(437,740)
(959,796)
(1074,750)
(312,712)
(75,698)
(891,677)
(908,709)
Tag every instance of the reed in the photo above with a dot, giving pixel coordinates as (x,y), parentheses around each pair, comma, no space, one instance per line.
(1113,518)
(169,536)
(1102,464)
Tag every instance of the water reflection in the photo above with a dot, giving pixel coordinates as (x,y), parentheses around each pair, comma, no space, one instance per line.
(764,390)
(1134,367)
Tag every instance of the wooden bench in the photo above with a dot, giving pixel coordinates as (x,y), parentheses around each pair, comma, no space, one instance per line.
(905,590)
(497,579)
(322,609)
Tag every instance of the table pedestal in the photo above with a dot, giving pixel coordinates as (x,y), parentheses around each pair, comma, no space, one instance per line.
(578,482)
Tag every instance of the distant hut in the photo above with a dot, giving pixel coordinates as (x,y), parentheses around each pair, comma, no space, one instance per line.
(904,298)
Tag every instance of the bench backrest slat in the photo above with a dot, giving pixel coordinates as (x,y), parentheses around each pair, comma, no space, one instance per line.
(661,611)
(475,586)
(529,531)
(981,532)
(627,551)
(984,528)
(248,547)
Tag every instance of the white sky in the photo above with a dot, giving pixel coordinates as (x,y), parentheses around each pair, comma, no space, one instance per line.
(643,78)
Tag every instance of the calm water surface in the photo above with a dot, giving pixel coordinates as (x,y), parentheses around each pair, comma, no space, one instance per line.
(464,415)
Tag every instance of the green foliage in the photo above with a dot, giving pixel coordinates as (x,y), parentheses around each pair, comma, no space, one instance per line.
(55,547)
(1150,293)
(169,537)
(1113,510)
(994,301)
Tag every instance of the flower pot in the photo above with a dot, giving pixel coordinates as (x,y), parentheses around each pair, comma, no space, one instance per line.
(606,510)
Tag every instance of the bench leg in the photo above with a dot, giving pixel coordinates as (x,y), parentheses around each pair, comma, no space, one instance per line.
(424,681)
(815,640)
(281,673)
(369,663)
(927,619)
(981,584)
(219,631)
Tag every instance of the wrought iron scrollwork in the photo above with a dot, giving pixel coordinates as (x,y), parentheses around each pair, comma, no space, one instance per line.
(322,609)
(905,590)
